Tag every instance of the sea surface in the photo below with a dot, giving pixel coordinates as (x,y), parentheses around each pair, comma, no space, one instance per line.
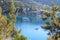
(29,30)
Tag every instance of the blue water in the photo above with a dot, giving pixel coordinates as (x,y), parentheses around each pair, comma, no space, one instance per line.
(28,29)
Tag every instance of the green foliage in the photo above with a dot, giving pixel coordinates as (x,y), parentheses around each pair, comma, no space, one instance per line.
(47,27)
(44,18)
(20,37)
(53,25)
(7,29)
(47,13)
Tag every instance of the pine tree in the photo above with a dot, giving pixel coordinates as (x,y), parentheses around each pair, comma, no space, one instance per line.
(53,25)
(7,29)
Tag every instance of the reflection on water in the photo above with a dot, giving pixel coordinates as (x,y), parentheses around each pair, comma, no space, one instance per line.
(28,29)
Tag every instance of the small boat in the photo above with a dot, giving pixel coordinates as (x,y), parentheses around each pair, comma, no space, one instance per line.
(26,19)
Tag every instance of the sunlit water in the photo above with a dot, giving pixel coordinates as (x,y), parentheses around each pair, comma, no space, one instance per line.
(29,30)
(28,27)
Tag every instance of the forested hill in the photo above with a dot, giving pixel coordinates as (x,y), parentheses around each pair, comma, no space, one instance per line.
(30,3)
